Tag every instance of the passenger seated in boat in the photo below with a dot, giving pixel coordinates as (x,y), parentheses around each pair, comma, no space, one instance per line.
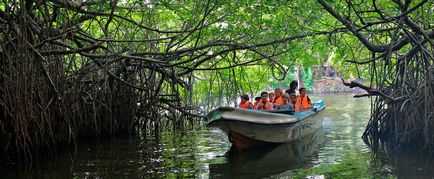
(294,103)
(304,100)
(245,103)
(278,97)
(257,100)
(285,104)
(271,96)
(292,87)
(264,104)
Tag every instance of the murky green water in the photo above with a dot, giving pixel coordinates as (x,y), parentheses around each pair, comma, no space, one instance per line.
(335,151)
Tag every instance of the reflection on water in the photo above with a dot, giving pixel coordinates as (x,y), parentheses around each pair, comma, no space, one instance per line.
(206,153)
(405,164)
(271,160)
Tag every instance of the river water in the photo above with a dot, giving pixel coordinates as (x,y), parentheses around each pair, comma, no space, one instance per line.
(335,151)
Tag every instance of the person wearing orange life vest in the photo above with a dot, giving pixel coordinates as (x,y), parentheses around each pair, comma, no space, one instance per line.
(303,99)
(257,100)
(264,104)
(294,103)
(271,96)
(278,97)
(245,103)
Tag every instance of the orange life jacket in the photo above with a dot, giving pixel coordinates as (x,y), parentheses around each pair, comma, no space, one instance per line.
(255,104)
(245,105)
(267,105)
(296,106)
(278,101)
(304,102)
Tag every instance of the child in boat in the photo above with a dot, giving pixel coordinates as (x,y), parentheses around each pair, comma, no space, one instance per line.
(285,104)
(294,103)
(264,104)
(271,96)
(303,99)
(257,100)
(245,103)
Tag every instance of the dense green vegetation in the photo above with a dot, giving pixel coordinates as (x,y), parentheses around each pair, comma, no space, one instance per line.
(96,68)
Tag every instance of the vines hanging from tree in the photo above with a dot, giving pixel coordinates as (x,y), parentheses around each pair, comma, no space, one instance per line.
(400,39)
(70,69)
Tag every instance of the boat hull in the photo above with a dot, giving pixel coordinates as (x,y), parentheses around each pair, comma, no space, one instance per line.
(248,128)
(242,142)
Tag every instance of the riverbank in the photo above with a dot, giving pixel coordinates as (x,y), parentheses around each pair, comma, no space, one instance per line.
(328,85)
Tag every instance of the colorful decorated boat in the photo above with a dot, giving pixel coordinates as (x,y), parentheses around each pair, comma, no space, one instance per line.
(249,128)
